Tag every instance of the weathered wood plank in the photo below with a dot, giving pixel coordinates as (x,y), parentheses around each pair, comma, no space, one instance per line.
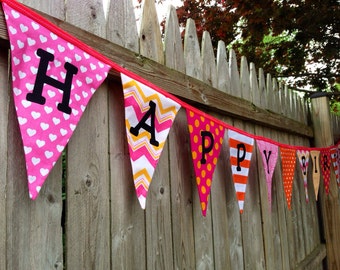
(88,185)
(223,80)
(88,216)
(193,64)
(128,249)
(234,75)
(330,208)
(180,160)
(158,207)
(4,107)
(219,211)
(314,259)
(208,61)
(121,25)
(182,189)
(150,34)
(173,48)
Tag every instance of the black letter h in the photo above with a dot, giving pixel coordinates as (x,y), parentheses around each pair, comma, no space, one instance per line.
(42,78)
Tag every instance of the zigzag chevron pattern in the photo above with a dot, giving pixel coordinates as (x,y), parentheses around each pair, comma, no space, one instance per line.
(150,125)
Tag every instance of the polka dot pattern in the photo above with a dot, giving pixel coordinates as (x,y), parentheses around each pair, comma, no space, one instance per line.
(206,137)
(288,159)
(326,168)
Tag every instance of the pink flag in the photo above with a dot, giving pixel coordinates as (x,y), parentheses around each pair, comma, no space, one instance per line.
(303,156)
(325,160)
(241,151)
(206,137)
(269,153)
(334,159)
(315,156)
(148,117)
(53,81)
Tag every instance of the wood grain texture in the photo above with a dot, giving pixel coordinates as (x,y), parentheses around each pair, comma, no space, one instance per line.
(329,203)
(223,80)
(208,61)
(88,188)
(173,48)
(150,34)
(121,25)
(180,161)
(158,206)
(4,107)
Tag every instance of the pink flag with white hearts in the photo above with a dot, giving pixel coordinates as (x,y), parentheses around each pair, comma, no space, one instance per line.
(53,81)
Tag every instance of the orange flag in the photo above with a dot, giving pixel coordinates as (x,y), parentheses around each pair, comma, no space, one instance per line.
(288,159)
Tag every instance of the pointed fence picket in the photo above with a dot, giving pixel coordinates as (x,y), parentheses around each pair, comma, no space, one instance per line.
(103,226)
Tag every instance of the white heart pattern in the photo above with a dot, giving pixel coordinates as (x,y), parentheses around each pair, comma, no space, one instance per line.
(45,129)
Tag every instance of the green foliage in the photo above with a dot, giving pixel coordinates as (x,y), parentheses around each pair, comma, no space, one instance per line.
(287,38)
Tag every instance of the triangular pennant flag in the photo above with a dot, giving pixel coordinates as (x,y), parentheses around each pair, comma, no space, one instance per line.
(53,81)
(325,160)
(288,160)
(269,153)
(241,150)
(334,159)
(148,117)
(206,137)
(315,155)
(303,156)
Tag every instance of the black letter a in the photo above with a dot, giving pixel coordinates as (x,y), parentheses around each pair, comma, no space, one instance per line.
(42,78)
(142,124)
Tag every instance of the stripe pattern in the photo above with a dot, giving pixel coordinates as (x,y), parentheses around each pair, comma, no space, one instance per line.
(334,159)
(144,155)
(241,150)
(303,156)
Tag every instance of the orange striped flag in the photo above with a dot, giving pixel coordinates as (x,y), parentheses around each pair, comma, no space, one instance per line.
(241,150)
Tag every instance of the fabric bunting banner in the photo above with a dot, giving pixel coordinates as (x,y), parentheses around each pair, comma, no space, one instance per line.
(334,159)
(53,81)
(54,76)
(315,157)
(303,156)
(148,117)
(325,160)
(206,137)
(241,150)
(269,153)
(288,160)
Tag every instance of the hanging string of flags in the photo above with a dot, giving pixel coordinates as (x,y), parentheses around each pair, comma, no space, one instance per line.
(54,76)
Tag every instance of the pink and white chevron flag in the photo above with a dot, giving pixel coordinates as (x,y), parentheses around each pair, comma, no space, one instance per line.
(148,117)
(53,81)
(303,156)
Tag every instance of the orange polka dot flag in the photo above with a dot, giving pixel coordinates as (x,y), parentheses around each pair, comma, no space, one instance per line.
(206,137)
(334,158)
(241,150)
(325,160)
(303,156)
(315,157)
(148,118)
(288,159)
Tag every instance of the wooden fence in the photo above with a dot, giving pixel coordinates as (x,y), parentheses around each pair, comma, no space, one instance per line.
(100,225)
